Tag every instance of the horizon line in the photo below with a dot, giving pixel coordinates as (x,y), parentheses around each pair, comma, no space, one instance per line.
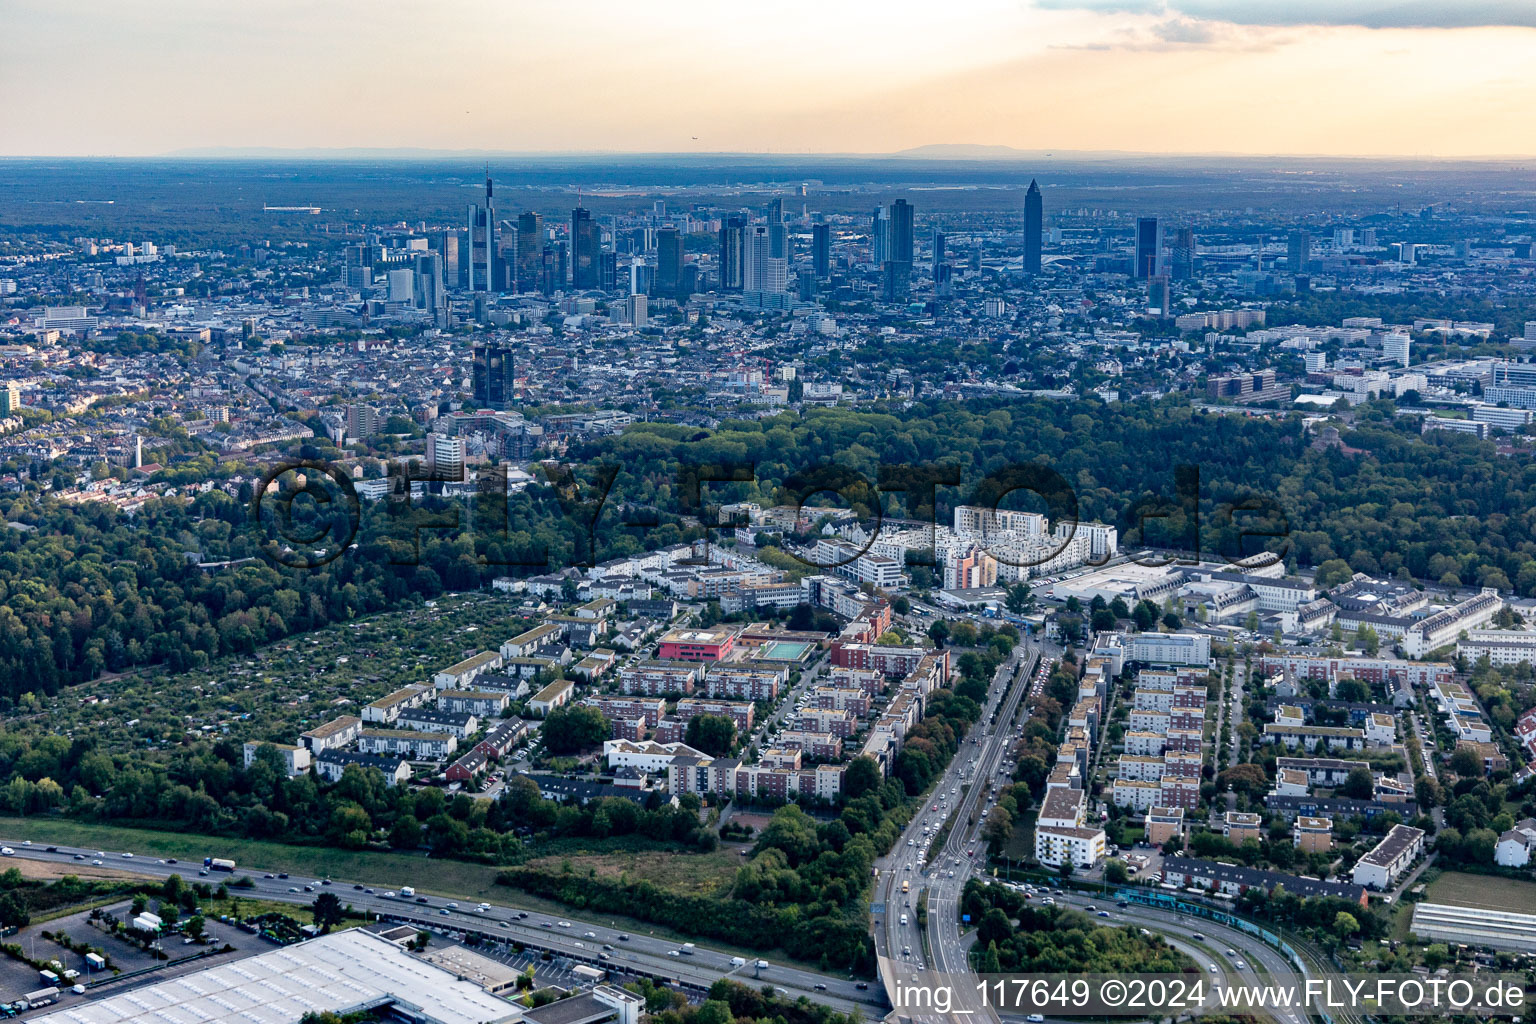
(934,153)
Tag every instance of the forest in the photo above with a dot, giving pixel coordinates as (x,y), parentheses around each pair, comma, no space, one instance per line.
(85,590)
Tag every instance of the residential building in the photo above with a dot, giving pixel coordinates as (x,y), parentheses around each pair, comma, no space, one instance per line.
(1381,867)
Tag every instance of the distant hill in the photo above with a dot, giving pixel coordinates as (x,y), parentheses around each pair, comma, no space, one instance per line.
(966,151)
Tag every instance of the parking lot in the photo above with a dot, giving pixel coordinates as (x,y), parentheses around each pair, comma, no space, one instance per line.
(17,978)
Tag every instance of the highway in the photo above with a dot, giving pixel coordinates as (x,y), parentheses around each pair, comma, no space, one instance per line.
(908,959)
(958,794)
(583,940)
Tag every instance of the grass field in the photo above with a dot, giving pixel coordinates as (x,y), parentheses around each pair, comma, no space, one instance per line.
(699,874)
(1487,892)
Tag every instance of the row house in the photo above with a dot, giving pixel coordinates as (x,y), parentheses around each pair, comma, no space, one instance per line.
(1233,879)
(333,735)
(418,746)
(471,763)
(386,710)
(456,723)
(458,677)
(1373,670)
(527,644)
(1334,737)
(484,703)
(502,737)
(332,764)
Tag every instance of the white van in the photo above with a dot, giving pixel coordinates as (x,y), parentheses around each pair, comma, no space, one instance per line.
(903,920)
(406,890)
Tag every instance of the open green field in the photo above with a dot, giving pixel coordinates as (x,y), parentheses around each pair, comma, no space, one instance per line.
(1488,892)
(696,874)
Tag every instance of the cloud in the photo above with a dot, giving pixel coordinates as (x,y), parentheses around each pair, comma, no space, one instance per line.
(1362,13)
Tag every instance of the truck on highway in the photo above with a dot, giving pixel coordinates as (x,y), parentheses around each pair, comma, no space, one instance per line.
(738,961)
(218,864)
(42,997)
(406,890)
(687,948)
(762,965)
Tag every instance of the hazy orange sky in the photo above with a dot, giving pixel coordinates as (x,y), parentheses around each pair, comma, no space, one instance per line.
(1344,77)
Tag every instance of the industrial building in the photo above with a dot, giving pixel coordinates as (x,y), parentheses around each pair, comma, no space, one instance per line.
(1474,926)
(345,972)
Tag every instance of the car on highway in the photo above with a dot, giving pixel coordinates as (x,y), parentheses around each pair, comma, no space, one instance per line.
(821,987)
(1035,1018)
(862,986)
(1103,913)
(623,938)
(1240,965)
(563,924)
(1212,968)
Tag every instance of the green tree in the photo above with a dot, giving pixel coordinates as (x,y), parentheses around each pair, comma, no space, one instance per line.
(574,727)
(715,735)
(327,911)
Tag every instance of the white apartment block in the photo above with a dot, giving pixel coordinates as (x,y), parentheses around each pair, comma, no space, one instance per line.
(1381,867)
(1502,647)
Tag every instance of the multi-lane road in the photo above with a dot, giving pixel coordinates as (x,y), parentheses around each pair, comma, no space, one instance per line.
(906,951)
(599,943)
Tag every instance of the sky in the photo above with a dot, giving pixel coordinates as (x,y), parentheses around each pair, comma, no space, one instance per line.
(1307,77)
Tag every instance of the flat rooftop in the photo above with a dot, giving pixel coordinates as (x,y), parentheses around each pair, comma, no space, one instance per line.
(342,972)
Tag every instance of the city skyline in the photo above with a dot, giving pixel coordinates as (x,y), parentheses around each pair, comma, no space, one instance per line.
(1049,75)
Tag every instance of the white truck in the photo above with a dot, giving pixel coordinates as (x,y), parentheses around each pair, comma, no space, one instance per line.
(738,961)
(406,890)
(687,948)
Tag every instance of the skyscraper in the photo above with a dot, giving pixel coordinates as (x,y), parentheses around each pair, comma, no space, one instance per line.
(821,250)
(10,398)
(761,270)
(586,265)
(1034,224)
(901,231)
(880,236)
(897,268)
(427,285)
(493,376)
(1182,255)
(669,262)
(938,253)
(1298,252)
(447,243)
(732,239)
(530,250)
(1149,244)
(482,242)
